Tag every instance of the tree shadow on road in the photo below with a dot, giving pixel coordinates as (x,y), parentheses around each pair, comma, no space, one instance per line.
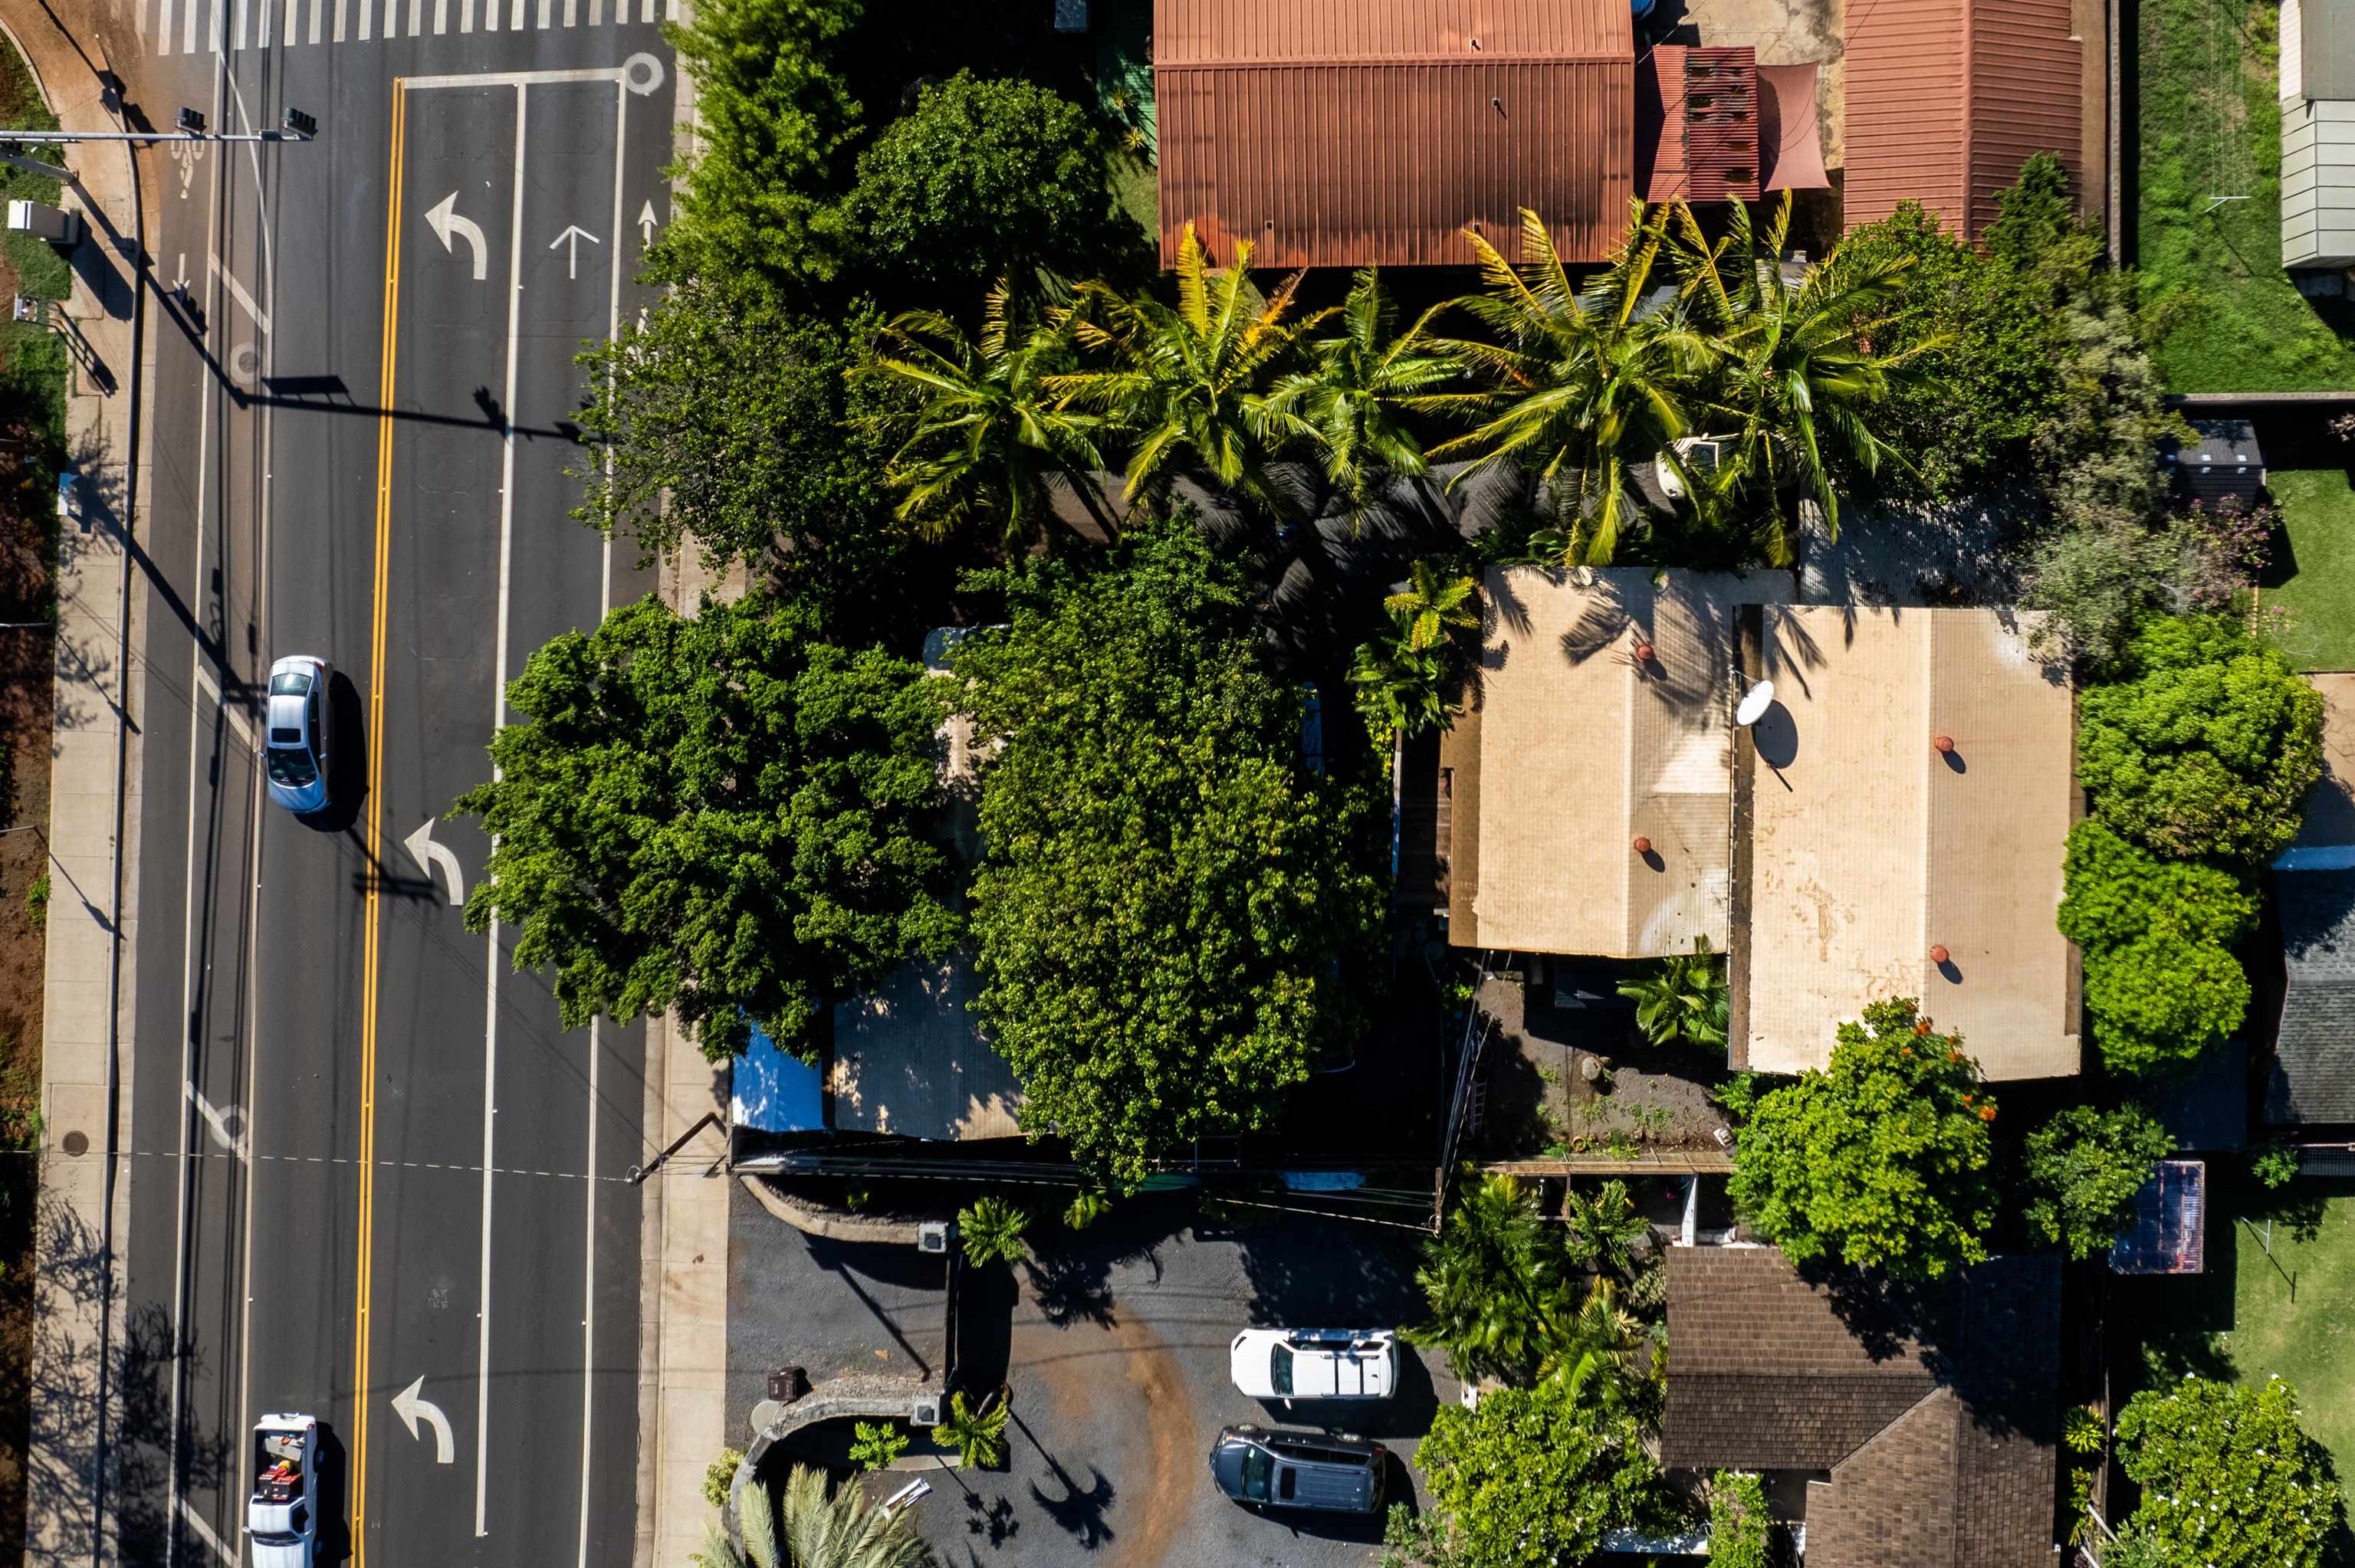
(1079,1513)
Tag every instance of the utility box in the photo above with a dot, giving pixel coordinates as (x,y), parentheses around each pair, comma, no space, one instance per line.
(53,224)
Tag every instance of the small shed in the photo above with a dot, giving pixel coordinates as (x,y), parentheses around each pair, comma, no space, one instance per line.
(2168,1234)
(2220,468)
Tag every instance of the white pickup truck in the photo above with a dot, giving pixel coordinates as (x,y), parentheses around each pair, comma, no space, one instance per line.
(282,1516)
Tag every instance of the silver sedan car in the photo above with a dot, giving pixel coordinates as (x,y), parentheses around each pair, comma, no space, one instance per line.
(295,755)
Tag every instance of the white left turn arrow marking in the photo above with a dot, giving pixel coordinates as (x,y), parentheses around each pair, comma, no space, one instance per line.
(574,234)
(446,223)
(428,855)
(409,1407)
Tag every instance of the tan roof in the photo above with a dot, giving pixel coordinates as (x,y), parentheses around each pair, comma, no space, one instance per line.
(1575,748)
(2329,822)
(1946,99)
(1868,847)
(1347,133)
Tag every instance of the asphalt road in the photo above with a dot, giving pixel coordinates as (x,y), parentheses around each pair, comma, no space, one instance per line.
(367,1154)
(1114,1343)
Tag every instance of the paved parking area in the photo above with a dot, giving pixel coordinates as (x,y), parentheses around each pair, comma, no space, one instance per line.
(1114,1343)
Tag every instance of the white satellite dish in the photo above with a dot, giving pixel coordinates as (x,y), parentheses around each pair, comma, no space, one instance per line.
(1755,703)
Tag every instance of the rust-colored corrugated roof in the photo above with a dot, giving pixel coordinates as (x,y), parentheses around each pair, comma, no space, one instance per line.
(1947,97)
(1349,133)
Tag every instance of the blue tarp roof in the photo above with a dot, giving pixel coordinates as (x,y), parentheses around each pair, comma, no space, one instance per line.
(773,1092)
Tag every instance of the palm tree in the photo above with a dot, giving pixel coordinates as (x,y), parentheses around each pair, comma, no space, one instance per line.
(1682,999)
(1602,1229)
(1597,1347)
(990,440)
(1496,1284)
(1581,385)
(1795,370)
(992,1229)
(1349,404)
(1184,382)
(801,1527)
(1401,690)
(977,1436)
(1431,605)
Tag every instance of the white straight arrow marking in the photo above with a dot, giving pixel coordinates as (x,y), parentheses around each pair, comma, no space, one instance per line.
(409,1407)
(444,222)
(576,234)
(647,221)
(428,855)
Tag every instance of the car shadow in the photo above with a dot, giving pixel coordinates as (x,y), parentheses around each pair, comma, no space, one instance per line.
(335,1540)
(347,742)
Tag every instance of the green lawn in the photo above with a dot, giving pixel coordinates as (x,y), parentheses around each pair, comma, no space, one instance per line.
(2211,128)
(41,270)
(2317,508)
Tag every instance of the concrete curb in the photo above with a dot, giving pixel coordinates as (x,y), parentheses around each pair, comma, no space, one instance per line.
(92,831)
(811,1220)
(877,1394)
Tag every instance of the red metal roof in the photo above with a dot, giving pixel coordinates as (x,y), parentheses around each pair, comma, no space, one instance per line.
(1947,97)
(1349,133)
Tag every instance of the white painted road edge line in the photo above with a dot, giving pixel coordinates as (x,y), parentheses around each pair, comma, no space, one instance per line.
(196,1521)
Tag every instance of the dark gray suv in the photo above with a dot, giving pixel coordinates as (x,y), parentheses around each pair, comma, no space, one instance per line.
(1299,1469)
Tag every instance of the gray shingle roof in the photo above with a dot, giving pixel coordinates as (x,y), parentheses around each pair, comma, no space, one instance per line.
(2313,1075)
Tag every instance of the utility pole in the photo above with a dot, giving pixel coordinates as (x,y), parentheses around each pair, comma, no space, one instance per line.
(296,126)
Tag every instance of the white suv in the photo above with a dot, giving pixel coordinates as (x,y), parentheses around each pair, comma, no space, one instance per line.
(1315,1363)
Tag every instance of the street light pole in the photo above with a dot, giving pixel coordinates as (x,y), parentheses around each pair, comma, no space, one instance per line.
(297,127)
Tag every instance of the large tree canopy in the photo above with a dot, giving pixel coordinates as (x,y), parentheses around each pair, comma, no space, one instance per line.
(1880,1162)
(1169,899)
(1533,1478)
(2229,1478)
(718,815)
(2161,982)
(2205,743)
(2083,1170)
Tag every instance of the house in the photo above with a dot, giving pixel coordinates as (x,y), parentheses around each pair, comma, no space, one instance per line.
(1336,134)
(1946,99)
(1920,1423)
(2317,119)
(1891,825)
(2310,1080)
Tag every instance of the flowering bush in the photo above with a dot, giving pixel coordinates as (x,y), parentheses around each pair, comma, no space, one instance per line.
(2229,1478)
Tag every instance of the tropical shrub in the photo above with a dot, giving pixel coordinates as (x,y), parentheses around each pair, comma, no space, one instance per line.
(2082,1170)
(715,815)
(1171,902)
(801,1527)
(721,1475)
(983,179)
(991,1229)
(978,1435)
(876,1447)
(1738,1521)
(2204,744)
(1682,999)
(1086,1207)
(2229,1478)
(1533,1478)
(1880,1162)
(1496,1278)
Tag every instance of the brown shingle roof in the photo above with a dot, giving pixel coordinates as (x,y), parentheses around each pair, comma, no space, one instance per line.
(1349,133)
(1934,1411)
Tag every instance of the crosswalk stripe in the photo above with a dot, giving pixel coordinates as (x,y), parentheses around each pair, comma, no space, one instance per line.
(440,18)
(223,27)
(164,28)
(338,36)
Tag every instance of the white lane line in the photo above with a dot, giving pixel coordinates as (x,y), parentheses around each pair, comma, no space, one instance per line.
(589,1269)
(518,79)
(498,715)
(196,1521)
(237,289)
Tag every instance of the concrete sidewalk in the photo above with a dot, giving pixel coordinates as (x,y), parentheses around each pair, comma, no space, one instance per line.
(92,829)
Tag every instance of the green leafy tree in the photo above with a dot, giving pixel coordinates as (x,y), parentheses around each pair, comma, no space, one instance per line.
(989,442)
(772,122)
(1683,999)
(1794,365)
(801,1527)
(1602,1228)
(1533,1478)
(2161,982)
(2082,1170)
(1350,404)
(1171,901)
(991,1229)
(2229,1478)
(1577,386)
(1184,382)
(2204,745)
(1739,1522)
(1399,690)
(1880,1162)
(987,177)
(978,1435)
(714,815)
(1087,1206)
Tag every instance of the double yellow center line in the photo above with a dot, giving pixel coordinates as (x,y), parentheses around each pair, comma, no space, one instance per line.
(361,1394)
